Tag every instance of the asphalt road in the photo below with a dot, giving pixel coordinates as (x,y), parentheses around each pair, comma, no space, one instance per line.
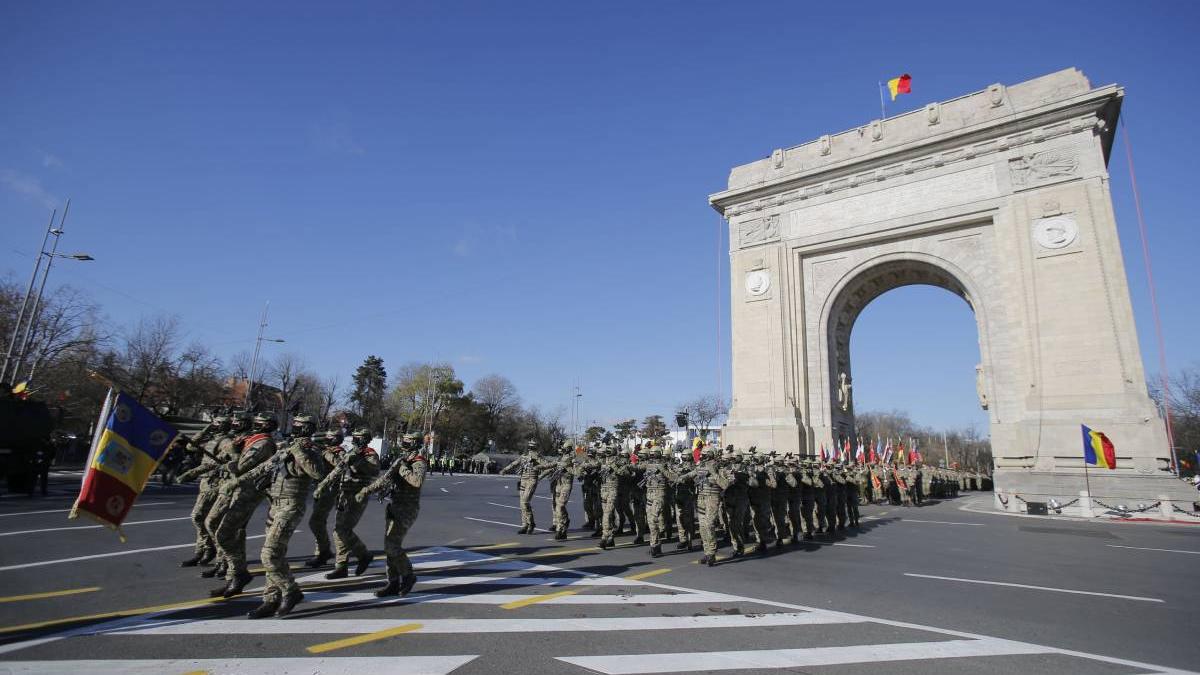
(934,589)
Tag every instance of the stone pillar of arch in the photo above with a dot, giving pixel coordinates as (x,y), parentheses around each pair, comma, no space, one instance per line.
(1001,197)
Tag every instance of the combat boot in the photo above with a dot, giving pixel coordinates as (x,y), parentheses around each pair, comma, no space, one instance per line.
(289,602)
(191,562)
(267,608)
(524,530)
(606,544)
(208,556)
(808,536)
(237,583)
(561,535)
(406,583)
(682,545)
(392,588)
(318,560)
(639,540)
(340,571)
(709,560)
(217,571)
(655,551)
(737,553)
(363,564)
(595,533)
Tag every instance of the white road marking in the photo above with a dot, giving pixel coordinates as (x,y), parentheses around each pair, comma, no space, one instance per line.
(940,522)
(367,597)
(800,658)
(1035,588)
(496,522)
(505,506)
(458,482)
(444,490)
(481,626)
(32,513)
(541,497)
(92,527)
(107,555)
(838,543)
(360,665)
(1165,550)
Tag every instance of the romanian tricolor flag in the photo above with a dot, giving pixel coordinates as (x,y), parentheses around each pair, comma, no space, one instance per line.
(1098,450)
(130,442)
(900,85)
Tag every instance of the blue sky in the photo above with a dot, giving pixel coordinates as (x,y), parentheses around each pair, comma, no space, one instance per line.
(521,187)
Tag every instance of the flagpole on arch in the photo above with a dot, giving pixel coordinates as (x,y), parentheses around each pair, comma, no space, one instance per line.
(882,111)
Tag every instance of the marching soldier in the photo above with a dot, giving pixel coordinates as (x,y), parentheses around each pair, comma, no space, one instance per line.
(589,484)
(656,476)
(357,467)
(324,503)
(613,470)
(208,443)
(792,476)
(228,449)
(777,482)
(684,494)
(291,473)
(244,498)
(562,478)
(711,482)
(401,482)
(737,501)
(530,466)
(759,496)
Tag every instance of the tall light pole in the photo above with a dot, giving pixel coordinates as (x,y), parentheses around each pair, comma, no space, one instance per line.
(262,325)
(29,313)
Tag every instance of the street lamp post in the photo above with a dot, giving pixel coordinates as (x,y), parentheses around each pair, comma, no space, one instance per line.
(30,317)
(262,325)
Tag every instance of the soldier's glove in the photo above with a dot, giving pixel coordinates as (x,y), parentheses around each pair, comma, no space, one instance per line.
(361,496)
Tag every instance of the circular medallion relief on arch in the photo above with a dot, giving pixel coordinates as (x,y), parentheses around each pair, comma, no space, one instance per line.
(1055,231)
(758,282)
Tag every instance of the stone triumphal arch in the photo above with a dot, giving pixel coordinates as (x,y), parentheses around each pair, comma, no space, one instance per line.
(1001,197)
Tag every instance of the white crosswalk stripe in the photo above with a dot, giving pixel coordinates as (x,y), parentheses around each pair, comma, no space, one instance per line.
(485,579)
(383,665)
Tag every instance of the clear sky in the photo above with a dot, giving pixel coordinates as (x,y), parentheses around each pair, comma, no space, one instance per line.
(522,188)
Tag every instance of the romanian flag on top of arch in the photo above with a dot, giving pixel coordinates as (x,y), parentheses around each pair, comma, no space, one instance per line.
(1098,450)
(129,444)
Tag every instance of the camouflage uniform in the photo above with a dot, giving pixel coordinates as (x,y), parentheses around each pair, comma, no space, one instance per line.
(759,497)
(637,503)
(531,466)
(838,479)
(656,476)
(613,470)
(711,482)
(684,494)
(403,481)
(355,468)
(562,478)
(244,498)
(737,501)
(777,482)
(291,479)
(208,473)
(589,484)
(791,477)
(324,503)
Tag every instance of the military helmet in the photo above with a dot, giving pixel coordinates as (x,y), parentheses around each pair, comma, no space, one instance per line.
(531,444)
(264,421)
(360,432)
(220,419)
(304,421)
(333,436)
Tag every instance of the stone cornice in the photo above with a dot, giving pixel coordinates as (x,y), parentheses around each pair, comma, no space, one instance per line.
(1098,107)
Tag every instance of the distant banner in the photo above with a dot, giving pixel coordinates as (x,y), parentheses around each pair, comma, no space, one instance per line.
(129,444)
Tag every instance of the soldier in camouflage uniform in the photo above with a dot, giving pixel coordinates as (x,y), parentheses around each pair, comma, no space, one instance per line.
(759,497)
(711,482)
(401,482)
(530,466)
(853,483)
(737,500)
(357,467)
(826,520)
(324,502)
(589,484)
(637,496)
(208,443)
(684,494)
(838,478)
(613,469)
(792,476)
(656,476)
(776,478)
(244,498)
(291,473)
(228,449)
(562,478)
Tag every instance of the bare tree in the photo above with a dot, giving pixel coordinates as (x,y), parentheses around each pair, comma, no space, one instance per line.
(497,396)
(329,390)
(148,354)
(287,373)
(704,411)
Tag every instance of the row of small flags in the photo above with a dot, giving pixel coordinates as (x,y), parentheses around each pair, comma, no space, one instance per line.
(878,452)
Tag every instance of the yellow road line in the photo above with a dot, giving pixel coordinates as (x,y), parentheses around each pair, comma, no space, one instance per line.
(111,615)
(493,546)
(647,575)
(517,604)
(50,594)
(362,639)
(559,551)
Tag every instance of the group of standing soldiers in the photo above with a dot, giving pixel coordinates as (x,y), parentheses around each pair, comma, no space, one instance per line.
(242,465)
(762,498)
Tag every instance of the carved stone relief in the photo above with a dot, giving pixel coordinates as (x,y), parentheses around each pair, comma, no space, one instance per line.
(1036,167)
(759,230)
